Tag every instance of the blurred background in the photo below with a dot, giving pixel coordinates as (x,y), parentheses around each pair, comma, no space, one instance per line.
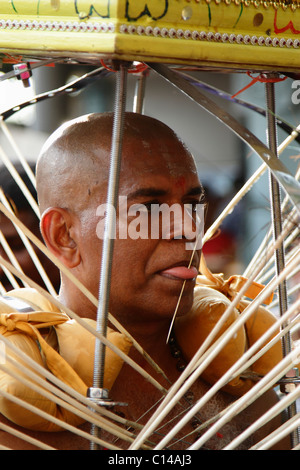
(224,162)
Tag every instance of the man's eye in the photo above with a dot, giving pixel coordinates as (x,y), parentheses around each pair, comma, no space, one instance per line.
(135,209)
(195,206)
(146,207)
(192,206)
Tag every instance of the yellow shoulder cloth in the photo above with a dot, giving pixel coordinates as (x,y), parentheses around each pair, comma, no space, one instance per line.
(56,342)
(212,297)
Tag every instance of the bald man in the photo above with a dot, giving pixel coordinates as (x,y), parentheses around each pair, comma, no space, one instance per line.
(147,273)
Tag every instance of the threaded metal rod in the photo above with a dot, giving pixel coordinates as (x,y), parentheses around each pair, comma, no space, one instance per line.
(109,232)
(277,229)
(140,93)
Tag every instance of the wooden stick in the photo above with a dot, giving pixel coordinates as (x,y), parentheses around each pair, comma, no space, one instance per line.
(25,437)
(20,182)
(30,249)
(172,396)
(256,391)
(86,325)
(79,285)
(54,395)
(285,402)
(19,154)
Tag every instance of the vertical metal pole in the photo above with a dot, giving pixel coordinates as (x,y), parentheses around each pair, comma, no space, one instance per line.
(109,234)
(277,229)
(138,104)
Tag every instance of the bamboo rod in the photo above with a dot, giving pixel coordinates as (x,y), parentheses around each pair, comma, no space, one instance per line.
(10,255)
(245,189)
(11,278)
(267,237)
(280,433)
(86,325)
(66,390)
(203,400)
(172,396)
(269,268)
(56,421)
(20,182)
(30,249)
(270,414)
(43,388)
(17,151)
(78,284)
(25,437)
(256,391)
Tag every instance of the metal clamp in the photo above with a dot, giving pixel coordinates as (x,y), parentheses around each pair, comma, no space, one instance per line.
(23,72)
(100,397)
(289,382)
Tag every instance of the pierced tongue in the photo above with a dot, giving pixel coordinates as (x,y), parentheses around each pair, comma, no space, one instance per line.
(181,272)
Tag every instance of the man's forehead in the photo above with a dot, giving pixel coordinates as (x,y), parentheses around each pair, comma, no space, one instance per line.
(147,145)
(159,180)
(169,157)
(164,164)
(158,191)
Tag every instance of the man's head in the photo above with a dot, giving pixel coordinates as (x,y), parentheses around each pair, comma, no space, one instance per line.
(72,181)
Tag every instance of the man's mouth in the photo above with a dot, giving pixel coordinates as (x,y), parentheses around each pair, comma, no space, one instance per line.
(180,272)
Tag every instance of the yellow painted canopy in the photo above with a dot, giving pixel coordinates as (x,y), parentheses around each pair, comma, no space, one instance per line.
(245,34)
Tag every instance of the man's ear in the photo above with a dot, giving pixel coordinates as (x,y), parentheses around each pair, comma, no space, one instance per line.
(58,231)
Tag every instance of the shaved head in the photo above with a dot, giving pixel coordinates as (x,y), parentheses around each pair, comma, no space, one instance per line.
(75,159)
(70,160)
(72,182)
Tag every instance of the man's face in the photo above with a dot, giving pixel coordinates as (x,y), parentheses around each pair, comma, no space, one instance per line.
(149,271)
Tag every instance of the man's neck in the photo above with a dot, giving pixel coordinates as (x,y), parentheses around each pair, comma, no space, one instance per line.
(150,335)
(77,302)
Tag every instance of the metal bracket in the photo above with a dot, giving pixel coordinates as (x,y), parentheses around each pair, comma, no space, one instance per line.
(278,169)
(101,398)
(289,382)
(23,72)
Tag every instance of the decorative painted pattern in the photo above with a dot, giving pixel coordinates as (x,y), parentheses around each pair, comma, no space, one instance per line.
(232,38)
(141,30)
(68,26)
(266,4)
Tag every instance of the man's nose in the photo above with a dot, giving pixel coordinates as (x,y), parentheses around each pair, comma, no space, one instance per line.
(186,225)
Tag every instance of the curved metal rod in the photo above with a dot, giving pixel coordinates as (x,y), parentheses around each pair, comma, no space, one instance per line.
(285,126)
(74,86)
(278,169)
(90,77)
